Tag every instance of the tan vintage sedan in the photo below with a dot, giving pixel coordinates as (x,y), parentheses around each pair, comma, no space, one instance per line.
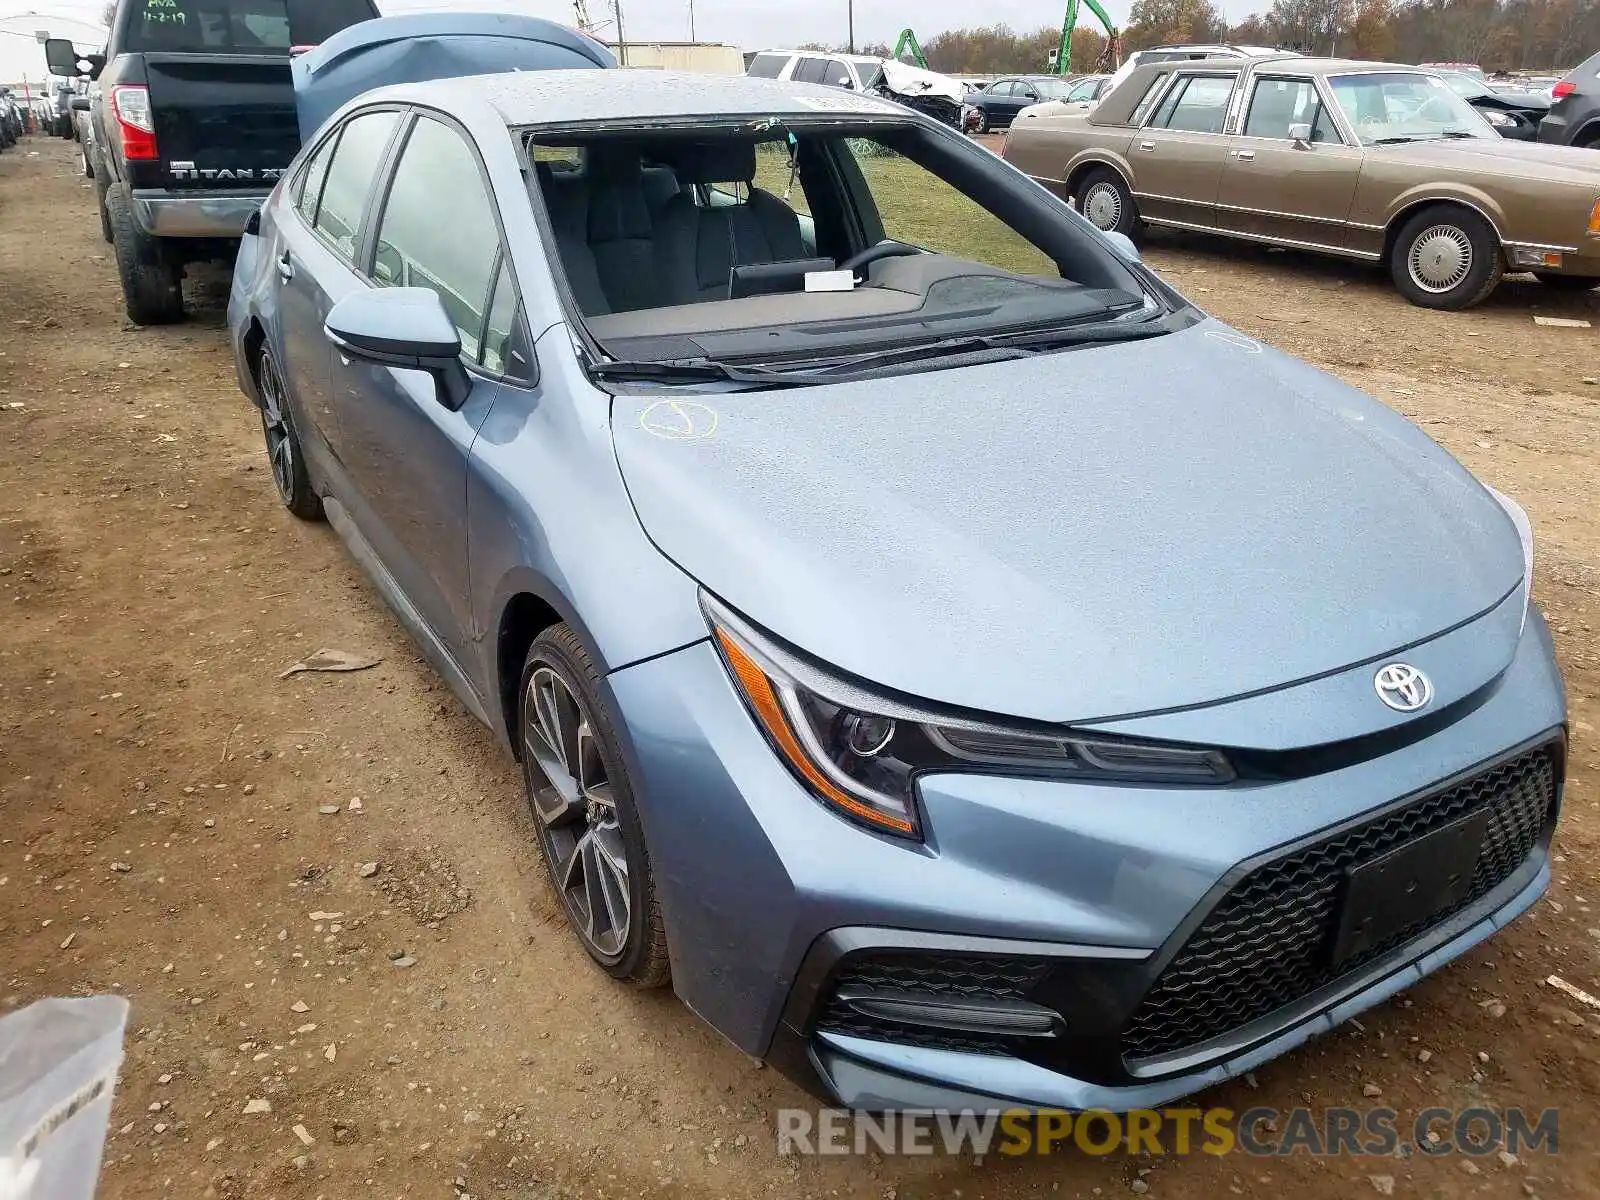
(1367,160)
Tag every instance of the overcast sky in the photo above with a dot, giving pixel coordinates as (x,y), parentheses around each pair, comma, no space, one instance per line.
(749,24)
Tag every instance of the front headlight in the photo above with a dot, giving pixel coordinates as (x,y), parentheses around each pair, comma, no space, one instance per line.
(1497,118)
(861,753)
(1519,518)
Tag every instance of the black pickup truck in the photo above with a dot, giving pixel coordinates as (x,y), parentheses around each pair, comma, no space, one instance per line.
(193,119)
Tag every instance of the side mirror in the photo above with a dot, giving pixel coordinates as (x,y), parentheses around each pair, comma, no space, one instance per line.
(63,59)
(405,328)
(1300,135)
(1029,94)
(80,104)
(1123,245)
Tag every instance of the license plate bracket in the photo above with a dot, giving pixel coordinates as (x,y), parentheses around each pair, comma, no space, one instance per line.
(1408,884)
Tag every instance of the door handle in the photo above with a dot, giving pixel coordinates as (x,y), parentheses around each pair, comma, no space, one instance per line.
(1147,145)
(285,267)
(1246,154)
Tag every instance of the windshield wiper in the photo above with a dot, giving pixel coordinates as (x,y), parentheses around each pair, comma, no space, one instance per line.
(985,348)
(974,351)
(691,370)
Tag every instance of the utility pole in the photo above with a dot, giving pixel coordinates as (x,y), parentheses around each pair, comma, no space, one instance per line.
(691,20)
(850,10)
(622,42)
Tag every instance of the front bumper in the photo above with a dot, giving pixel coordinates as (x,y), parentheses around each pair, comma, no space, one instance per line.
(1067,897)
(195,214)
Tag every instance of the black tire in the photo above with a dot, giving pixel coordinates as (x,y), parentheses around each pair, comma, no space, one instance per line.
(285,457)
(1457,258)
(152,288)
(570,815)
(1106,193)
(1567,283)
(100,203)
(982,123)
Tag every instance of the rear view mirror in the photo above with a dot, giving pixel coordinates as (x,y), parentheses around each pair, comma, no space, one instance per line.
(80,104)
(406,328)
(1300,135)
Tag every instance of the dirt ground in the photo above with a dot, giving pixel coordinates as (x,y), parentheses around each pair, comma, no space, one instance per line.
(162,831)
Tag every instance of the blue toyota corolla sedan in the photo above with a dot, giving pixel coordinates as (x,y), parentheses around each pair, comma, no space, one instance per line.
(969,673)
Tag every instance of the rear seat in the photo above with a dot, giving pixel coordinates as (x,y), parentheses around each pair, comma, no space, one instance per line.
(630,237)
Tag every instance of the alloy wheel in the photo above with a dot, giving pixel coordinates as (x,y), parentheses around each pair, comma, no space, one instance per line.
(1440,258)
(275,424)
(577,813)
(1102,204)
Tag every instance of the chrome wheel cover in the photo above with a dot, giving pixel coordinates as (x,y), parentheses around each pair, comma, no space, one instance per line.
(1102,204)
(576,813)
(1440,258)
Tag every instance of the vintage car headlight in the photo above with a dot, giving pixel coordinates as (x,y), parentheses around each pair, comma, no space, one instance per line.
(861,753)
(1519,518)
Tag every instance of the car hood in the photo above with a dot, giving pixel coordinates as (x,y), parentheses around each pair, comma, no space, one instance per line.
(1500,156)
(1103,532)
(906,80)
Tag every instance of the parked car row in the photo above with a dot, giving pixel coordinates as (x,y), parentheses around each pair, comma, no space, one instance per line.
(938,96)
(12,121)
(997,105)
(1372,161)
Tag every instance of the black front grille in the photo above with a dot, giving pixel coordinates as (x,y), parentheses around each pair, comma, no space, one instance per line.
(1267,942)
(969,976)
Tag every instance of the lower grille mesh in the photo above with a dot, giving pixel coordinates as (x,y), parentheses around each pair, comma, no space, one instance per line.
(1266,943)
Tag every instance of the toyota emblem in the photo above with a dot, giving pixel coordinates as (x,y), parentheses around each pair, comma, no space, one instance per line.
(1402,687)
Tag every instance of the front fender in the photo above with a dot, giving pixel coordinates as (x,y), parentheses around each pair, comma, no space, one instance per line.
(550,516)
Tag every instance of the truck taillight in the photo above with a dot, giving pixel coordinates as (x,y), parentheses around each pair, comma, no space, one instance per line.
(130,105)
(1565,88)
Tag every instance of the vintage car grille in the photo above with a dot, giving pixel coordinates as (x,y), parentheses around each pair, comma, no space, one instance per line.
(969,976)
(1266,943)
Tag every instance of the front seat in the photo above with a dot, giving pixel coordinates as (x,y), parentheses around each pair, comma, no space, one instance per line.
(700,244)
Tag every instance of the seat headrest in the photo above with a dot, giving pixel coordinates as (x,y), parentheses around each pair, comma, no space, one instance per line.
(715,162)
(660,185)
(612,162)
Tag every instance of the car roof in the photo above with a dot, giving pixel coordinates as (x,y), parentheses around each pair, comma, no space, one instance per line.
(570,96)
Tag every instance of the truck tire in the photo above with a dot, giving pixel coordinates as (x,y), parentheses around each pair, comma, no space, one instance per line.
(151,282)
(100,203)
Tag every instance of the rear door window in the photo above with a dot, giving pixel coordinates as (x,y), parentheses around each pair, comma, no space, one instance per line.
(810,70)
(766,66)
(313,177)
(350,177)
(1197,104)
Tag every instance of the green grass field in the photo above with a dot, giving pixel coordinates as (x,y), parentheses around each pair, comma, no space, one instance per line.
(920,208)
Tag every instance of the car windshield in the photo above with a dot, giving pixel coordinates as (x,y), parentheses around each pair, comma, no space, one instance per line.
(796,245)
(1464,86)
(1391,107)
